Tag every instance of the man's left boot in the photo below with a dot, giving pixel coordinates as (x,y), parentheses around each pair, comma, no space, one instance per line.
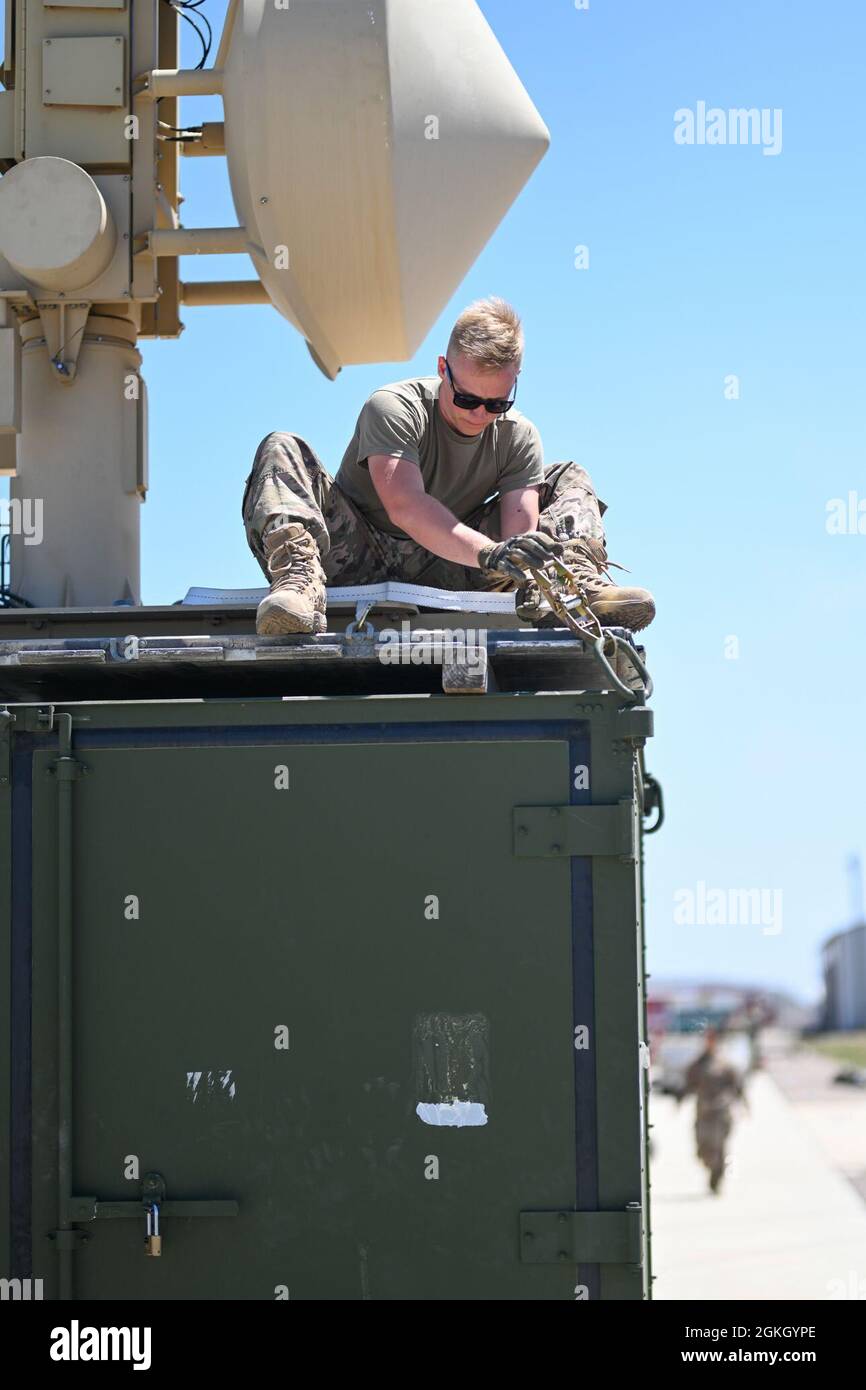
(612,604)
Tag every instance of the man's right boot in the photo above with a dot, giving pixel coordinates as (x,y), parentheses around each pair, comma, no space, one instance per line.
(297,600)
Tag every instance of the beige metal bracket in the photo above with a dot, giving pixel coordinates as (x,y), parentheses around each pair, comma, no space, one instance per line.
(63,325)
(213,292)
(193,241)
(210,140)
(19,301)
(178,82)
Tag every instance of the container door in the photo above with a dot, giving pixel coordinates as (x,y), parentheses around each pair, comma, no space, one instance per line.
(311,977)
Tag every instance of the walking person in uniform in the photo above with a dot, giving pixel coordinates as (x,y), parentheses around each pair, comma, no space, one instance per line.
(716,1085)
(443,484)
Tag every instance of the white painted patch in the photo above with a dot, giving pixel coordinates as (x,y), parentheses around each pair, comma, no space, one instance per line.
(456,1112)
(205,1083)
(228,1084)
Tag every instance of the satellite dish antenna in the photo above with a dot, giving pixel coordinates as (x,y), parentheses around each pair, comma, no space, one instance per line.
(371,153)
(372,150)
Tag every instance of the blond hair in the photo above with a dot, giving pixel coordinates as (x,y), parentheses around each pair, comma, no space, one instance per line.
(489,334)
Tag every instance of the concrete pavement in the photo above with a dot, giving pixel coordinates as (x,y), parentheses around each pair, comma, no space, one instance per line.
(788,1223)
(835,1114)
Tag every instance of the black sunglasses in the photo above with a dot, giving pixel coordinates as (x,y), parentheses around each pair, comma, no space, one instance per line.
(465,402)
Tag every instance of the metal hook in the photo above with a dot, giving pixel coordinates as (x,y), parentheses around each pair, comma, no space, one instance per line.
(359,627)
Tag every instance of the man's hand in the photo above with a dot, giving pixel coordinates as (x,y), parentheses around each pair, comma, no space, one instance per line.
(513,557)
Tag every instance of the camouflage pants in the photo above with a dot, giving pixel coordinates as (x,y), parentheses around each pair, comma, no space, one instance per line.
(712,1128)
(288,483)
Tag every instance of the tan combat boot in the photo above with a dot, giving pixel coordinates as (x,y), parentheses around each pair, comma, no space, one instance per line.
(297,600)
(613,605)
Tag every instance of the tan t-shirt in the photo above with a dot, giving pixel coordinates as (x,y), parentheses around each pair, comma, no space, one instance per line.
(461,472)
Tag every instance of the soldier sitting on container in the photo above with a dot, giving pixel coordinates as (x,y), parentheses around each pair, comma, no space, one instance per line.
(443,484)
(717,1085)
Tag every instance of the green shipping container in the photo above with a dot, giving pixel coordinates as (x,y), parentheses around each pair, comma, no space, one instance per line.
(340,995)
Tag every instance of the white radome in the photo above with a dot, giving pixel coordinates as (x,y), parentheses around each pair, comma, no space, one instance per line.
(373,148)
(55,227)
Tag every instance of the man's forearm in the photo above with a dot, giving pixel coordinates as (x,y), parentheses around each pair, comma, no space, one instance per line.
(436,528)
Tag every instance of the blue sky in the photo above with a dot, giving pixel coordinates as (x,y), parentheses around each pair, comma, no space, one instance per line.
(705,261)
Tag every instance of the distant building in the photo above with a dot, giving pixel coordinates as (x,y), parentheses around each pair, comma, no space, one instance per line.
(844,962)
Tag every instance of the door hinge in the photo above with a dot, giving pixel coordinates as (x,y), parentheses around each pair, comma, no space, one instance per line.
(36,719)
(551,832)
(68,1239)
(66,769)
(582,1237)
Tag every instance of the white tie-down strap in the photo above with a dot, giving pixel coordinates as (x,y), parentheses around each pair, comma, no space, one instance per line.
(391,592)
